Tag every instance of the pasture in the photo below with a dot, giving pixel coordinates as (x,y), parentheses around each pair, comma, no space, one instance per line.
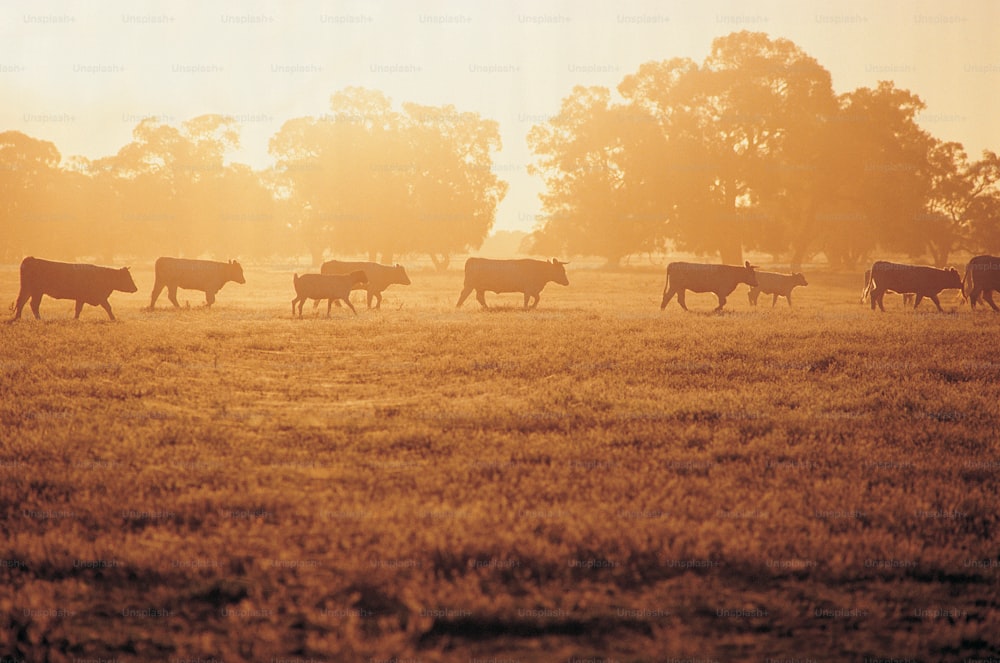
(595,479)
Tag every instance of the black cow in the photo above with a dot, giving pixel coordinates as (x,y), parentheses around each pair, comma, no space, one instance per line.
(205,275)
(921,281)
(525,276)
(982,277)
(87,284)
(699,277)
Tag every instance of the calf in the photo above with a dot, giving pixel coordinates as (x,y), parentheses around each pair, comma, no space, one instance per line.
(779,285)
(326,286)
(379,276)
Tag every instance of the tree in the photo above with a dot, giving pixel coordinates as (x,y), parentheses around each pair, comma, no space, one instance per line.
(369,179)
(601,198)
(962,196)
(454,192)
(704,160)
(28,180)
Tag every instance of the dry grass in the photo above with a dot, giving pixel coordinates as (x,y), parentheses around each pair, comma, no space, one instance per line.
(594,478)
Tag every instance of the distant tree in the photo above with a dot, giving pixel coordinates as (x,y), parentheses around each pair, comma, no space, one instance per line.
(961,203)
(602,199)
(29,173)
(178,195)
(699,155)
(454,191)
(369,179)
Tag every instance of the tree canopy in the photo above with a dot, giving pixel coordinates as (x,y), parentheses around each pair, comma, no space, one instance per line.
(752,149)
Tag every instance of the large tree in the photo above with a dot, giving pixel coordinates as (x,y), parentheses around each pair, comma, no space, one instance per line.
(602,198)
(370,179)
(694,153)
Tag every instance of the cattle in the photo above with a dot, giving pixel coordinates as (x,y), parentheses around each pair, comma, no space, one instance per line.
(206,275)
(907,296)
(87,284)
(326,286)
(982,277)
(379,276)
(525,276)
(779,285)
(697,277)
(919,280)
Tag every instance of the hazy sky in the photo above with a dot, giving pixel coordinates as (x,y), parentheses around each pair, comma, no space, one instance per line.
(82,74)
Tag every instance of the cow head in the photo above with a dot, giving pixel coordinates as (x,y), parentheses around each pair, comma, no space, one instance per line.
(124,282)
(799,279)
(400,274)
(559,272)
(953,279)
(359,277)
(235,272)
(751,275)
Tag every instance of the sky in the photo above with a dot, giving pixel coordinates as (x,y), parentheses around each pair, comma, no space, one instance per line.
(83,74)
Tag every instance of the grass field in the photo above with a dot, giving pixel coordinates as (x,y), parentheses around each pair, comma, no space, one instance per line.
(595,479)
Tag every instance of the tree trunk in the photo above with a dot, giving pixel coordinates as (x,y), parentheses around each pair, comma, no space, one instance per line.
(317,255)
(940,253)
(731,252)
(441,262)
(798,257)
(731,249)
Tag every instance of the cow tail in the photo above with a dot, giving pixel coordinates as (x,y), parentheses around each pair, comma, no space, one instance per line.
(868,286)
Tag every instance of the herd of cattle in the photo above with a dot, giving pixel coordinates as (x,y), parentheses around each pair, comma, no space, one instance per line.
(90,284)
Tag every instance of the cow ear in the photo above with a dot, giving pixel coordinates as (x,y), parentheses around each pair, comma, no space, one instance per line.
(746,263)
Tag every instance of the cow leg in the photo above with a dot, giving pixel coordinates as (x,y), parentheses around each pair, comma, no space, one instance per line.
(35,301)
(527,298)
(919,299)
(157,289)
(350,306)
(722,302)
(329,305)
(681,299)
(934,298)
(315,304)
(876,298)
(172,295)
(534,296)
(79,308)
(481,298)
(466,291)
(752,295)
(788,297)
(22,299)
(988,296)
(668,294)
(209,297)
(774,300)
(106,305)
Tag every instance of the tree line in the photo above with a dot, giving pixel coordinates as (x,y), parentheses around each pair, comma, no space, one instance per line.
(364,178)
(751,149)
